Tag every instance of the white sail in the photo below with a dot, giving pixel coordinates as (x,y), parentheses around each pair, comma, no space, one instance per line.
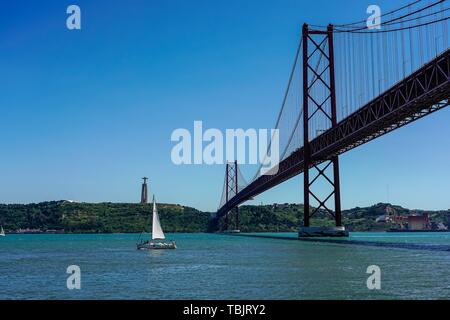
(157,233)
(2,232)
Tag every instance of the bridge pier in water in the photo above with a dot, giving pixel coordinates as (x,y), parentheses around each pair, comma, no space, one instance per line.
(314,42)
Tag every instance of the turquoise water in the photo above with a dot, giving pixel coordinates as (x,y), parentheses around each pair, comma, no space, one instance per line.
(210,266)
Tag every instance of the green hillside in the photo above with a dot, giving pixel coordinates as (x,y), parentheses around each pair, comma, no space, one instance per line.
(100,217)
(127,218)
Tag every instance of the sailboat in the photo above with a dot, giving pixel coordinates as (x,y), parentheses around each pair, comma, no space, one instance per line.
(2,232)
(158,237)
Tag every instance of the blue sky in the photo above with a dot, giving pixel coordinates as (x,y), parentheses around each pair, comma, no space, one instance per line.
(85,114)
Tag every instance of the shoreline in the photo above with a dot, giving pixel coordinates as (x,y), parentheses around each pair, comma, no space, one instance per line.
(218,233)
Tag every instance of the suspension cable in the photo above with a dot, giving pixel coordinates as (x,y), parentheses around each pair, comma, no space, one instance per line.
(397,18)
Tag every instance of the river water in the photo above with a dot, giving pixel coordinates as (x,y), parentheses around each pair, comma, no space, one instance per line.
(212,266)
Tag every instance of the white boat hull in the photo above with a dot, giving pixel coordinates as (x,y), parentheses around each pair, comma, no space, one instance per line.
(148,245)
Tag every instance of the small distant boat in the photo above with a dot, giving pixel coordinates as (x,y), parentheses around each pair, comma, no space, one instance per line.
(2,232)
(232,231)
(158,236)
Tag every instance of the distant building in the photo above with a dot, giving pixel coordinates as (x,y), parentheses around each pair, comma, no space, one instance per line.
(400,219)
(383,218)
(441,226)
(419,222)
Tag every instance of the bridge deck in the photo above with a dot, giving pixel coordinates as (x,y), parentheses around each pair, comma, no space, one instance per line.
(422,93)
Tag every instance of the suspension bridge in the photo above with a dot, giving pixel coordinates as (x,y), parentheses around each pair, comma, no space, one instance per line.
(350,83)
